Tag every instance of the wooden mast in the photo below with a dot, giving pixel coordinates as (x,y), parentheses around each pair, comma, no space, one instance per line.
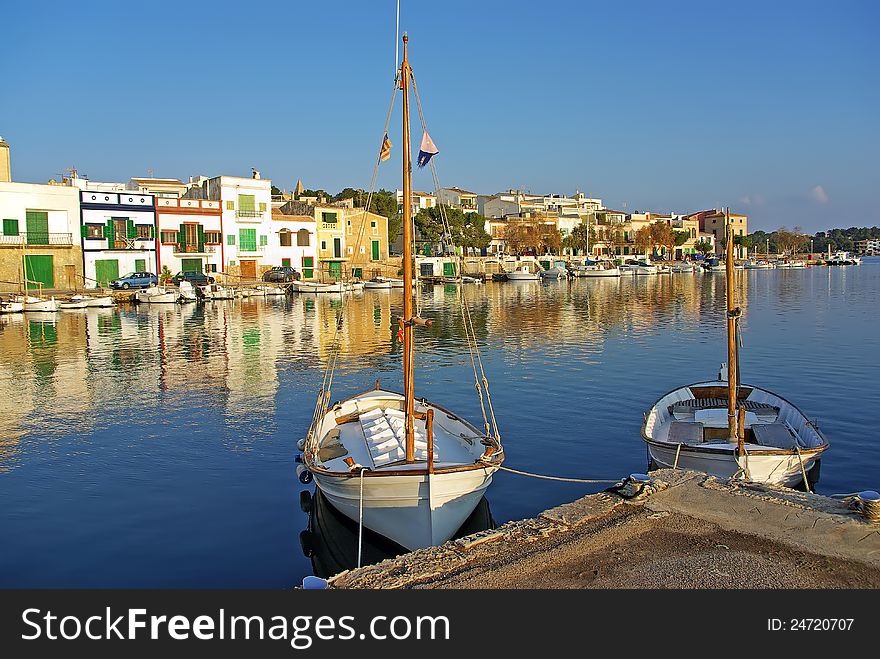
(731,335)
(408,388)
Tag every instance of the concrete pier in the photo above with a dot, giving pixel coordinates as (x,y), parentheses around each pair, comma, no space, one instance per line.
(688,530)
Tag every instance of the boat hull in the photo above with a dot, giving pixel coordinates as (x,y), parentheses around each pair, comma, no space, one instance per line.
(415,511)
(42,305)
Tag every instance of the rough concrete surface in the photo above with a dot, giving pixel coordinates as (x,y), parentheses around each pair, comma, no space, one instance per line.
(687,531)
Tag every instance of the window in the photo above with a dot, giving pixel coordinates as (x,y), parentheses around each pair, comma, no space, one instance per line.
(212,237)
(302,238)
(230,240)
(230,205)
(350,249)
(328,218)
(10,227)
(262,206)
(284,238)
(95,231)
(264,240)
(363,250)
(323,244)
(247,240)
(210,267)
(246,206)
(144,231)
(167,237)
(374,228)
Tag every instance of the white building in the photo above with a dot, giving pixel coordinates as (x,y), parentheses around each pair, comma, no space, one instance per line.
(246,220)
(190,235)
(118,235)
(420,200)
(458,198)
(40,238)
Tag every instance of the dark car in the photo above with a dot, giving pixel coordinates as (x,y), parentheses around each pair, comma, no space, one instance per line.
(135,280)
(281,273)
(194,278)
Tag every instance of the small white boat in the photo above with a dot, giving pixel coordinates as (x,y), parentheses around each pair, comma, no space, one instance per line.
(843,258)
(269,290)
(683,266)
(317,287)
(753,264)
(556,272)
(639,267)
(215,292)
(73,304)
(102,301)
(10,306)
(523,273)
(156,295)
(596,269)
(378,283)
(713,264)
(687,428)
(36,304)
(187,292)
(354,286)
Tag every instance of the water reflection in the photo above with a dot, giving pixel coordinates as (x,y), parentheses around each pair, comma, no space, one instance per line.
(331,540)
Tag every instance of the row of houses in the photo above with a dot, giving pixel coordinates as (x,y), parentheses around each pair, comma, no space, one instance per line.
(612,232)
(77,233)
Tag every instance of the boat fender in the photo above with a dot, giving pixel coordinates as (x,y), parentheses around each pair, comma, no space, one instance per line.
(301,444)
(305,501)
(307,543)
(315,583)
(303,474)
(298,459)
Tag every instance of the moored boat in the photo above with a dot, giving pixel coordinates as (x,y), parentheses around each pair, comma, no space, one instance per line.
(91,301)
(72,304)
(39,305)
(156,295)
(522,273)
(11,306)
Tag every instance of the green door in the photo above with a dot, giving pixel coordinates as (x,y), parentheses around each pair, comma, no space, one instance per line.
(285,263)
(448,269)
(336,269)
(308,267)
(107,270)
(337,248)
(140,265)
(247,240)
(190,265)
(39,268)
(37,227)
(375,250)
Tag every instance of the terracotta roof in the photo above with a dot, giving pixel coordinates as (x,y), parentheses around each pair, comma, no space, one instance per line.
(460,191)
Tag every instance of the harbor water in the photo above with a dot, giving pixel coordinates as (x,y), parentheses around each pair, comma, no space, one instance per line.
(155,446)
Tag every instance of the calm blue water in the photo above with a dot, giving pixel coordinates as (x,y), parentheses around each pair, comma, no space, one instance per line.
(155,447)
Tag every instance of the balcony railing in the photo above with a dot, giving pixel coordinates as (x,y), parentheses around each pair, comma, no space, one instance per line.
(36,238)
(251,213)
(249,249)
(194,249)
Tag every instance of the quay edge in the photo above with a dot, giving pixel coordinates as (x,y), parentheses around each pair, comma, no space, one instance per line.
(689,531)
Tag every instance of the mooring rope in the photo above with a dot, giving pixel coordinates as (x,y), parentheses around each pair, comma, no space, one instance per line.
(361,519)
(559,478)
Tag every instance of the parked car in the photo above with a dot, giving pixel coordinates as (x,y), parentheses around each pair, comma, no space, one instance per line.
(194,278)
(281,273)
(135,280)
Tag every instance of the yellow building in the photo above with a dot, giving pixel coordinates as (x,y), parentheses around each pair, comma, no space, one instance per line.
(366,242)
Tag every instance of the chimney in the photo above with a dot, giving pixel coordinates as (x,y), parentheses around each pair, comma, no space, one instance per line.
(255,173)
(5,162)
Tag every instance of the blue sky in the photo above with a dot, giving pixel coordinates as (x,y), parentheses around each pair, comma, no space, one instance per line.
(769,107)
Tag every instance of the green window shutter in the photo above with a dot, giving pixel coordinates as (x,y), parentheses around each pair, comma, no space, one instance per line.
(264,240)
(247,240)
(131,229)
(201,237)
(83,230)
(230,239)
(37,227)
(375,250)
(140,265)
(246,204)
(10,227)
(181,238)
(110,232)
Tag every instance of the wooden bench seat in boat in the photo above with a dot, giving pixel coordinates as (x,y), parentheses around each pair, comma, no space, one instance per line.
(384,434)
(685,432)
(684,410)
(773,435)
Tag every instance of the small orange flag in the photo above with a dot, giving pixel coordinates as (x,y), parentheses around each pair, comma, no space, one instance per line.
(385,152)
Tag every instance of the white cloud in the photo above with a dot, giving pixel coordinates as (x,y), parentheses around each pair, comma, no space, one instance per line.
(752,200)
(819,195)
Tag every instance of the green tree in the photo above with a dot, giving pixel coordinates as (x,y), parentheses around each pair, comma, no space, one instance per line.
(703,247)
(579,240)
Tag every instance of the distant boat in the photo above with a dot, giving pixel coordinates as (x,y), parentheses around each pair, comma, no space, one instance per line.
(639,267)
(31,303)
(843,258)
(269,290)
(215,292)
(379,284)
(73,304)
(10,306)
(556,272)
(713,264)
(596,269)
(156,295)
(730,429)
(683,266)
(102,301)
(317,287)
(523,273)
(754,264)
(187,292)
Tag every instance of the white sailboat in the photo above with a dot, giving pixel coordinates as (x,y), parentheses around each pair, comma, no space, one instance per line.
(522,273)
(11,306)
(156,295)
(187,292)
(730,429)
(596,269)
(410,470)
(73,304)
(38,304)
(101,301)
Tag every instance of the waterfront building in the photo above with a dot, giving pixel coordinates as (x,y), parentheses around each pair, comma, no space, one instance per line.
(420,200)
(158,187)
(868,247)
(246,220)
(293,242)
(190,235)
(458,198)
(118,234)
(40,238)
(366,242)
(712,221)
